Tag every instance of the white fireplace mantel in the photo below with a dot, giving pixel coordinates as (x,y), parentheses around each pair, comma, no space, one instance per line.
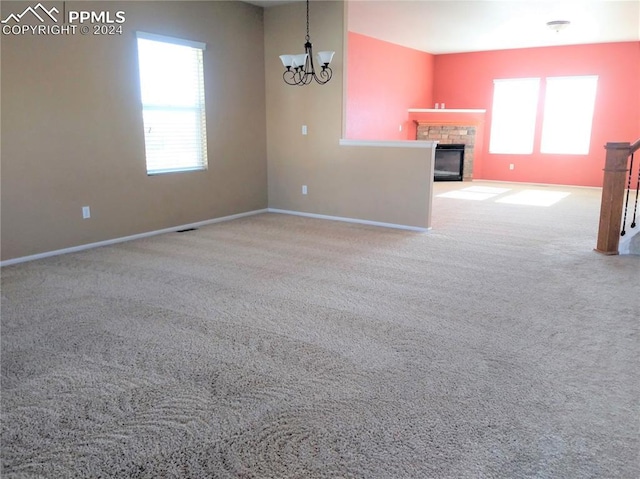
(444,110)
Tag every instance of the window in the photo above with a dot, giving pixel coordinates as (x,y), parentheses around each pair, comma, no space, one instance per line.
(568,115)
(513,116)
(173,108)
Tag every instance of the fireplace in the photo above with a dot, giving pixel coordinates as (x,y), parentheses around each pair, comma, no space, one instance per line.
(460,136)
(449,162)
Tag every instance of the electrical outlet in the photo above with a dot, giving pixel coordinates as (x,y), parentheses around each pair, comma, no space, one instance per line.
(86,212)
(304,189)
(304,129)
(511,166)
(400,127)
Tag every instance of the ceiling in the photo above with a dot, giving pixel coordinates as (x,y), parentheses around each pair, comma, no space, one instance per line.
(453,26)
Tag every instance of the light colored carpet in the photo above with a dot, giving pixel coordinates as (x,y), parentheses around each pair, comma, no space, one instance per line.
(497,346)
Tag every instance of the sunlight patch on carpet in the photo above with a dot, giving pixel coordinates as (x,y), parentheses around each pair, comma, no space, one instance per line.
(534,198)
(476,193)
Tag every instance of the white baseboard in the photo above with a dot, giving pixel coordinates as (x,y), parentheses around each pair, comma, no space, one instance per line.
(83,247)
(350,220)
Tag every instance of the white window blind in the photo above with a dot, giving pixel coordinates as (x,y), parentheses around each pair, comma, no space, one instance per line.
(513,116)
(173,106)
(568,114)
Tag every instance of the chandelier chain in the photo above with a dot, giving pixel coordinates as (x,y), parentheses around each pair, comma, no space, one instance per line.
(308,20)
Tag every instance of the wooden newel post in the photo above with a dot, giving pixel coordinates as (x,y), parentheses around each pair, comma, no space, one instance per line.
(613,187)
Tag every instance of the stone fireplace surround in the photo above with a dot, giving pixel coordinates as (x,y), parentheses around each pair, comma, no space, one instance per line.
(447,134)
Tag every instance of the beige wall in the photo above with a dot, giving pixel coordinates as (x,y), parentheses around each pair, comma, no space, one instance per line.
(390,185)
(72,128)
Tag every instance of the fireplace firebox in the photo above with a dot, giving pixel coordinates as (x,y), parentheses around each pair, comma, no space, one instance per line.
(449,162)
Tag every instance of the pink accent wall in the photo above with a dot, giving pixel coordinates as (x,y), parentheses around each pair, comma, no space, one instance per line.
(384,80)
(465,80)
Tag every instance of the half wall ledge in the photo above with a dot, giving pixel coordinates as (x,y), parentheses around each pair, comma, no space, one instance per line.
(390,143)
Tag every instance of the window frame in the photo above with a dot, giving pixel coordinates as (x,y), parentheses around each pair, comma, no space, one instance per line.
(548,148)
(199,132)
(501,118)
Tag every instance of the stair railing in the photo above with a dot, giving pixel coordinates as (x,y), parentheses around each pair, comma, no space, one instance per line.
(618,176)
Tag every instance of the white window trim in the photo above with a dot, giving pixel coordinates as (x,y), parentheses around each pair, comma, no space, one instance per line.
(166,39)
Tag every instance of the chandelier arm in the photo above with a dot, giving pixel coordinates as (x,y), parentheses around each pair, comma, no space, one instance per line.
(291,77)
(309,67)
(284,77)
(323,76)
(304,78)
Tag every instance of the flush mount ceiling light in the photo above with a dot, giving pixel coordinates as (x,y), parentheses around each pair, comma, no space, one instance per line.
(557,25)
(300,69)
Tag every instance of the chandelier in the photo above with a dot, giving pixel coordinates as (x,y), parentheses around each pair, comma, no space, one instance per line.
(300,69)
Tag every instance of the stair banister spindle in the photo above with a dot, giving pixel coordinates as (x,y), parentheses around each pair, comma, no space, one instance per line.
(626,200)
(635,206)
